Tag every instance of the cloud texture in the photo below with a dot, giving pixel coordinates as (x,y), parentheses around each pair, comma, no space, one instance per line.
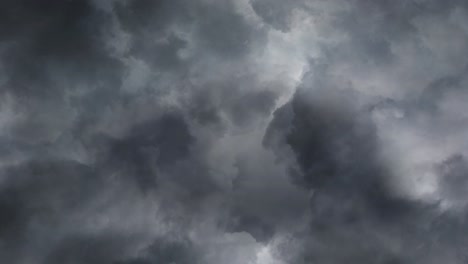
(233,131)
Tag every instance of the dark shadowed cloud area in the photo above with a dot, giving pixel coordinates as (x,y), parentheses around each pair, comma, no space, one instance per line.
(233,132)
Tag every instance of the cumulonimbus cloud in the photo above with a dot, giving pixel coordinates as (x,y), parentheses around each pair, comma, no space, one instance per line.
(233,131)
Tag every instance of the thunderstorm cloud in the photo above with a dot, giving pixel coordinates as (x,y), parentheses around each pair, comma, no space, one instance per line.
(233,131)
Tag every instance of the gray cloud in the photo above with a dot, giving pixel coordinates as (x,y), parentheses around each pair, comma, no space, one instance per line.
(234,131)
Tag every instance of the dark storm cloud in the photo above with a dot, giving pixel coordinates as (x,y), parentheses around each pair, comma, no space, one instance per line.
(233,131)
(454,178)
(219,29)
(163,251)
(147,21)
(325,140)
(103,249)
(355,213)
(276,13)
(88,154)
(439,89)
(359,212)
(227,34)
(41,193)
(53,200)
(157,142)
(43,40)
(111,249)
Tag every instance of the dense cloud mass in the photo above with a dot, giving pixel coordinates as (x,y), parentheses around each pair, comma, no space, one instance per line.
(233,131)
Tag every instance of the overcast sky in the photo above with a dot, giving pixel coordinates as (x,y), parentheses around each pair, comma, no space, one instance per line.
(234,131)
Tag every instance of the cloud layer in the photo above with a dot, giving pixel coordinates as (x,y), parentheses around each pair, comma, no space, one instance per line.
(233,131)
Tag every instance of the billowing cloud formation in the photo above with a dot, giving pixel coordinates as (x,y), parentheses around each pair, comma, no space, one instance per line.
(233,131)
